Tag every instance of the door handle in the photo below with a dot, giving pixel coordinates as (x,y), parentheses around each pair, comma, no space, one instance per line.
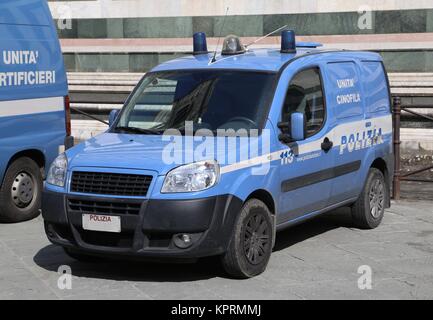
(327,145)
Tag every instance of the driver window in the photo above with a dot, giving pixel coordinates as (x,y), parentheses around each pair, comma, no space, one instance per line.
(305,95)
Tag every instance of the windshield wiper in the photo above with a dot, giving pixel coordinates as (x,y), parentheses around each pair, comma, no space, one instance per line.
(138,130)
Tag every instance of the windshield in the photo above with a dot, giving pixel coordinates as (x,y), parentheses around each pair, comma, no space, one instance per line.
(209,99)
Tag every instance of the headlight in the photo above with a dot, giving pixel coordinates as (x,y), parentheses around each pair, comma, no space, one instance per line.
(197,176)
(57,172)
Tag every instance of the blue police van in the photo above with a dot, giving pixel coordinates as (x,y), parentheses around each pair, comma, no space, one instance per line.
(34,115)
(213,154)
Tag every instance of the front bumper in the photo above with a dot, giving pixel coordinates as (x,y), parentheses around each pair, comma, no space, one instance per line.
(148,231)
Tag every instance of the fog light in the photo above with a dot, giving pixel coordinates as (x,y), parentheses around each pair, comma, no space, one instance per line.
(186,238)
(183,241)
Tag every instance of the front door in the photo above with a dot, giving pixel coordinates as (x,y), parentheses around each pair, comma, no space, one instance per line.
(306,166)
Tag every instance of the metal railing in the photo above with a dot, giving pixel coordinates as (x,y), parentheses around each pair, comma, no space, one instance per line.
(398,175)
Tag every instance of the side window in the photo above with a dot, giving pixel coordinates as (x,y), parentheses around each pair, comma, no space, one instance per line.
(305,95)
(153,106)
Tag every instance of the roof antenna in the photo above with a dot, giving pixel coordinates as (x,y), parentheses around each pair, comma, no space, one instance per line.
(219,38)
(264,37)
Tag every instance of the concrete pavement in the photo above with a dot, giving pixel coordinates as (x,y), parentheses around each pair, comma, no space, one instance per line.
(318,259)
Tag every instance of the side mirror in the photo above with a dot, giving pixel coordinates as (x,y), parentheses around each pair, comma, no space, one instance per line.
(298,126)
(112,117)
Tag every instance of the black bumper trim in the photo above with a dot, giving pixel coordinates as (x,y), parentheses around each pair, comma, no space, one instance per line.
(211,218)
(319,176)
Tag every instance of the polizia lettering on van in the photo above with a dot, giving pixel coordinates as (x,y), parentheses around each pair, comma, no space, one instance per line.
(361,140)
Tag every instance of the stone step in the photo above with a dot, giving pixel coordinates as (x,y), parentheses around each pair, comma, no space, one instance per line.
(375,42)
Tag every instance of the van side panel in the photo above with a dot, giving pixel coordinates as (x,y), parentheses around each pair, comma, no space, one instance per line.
(346,101)
(32,82)
(376,91)
(25,12)
(343,89)
(31,63)
(359,97)
(378,104)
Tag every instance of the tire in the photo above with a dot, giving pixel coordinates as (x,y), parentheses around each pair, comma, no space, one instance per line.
(82,257)
(244,259)
(21,191)
(369,209)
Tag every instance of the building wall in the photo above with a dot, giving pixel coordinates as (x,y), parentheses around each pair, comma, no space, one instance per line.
(95,9)
(179,19)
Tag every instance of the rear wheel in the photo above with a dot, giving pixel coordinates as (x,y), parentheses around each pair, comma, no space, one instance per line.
(251,242)
(21,192)
(369,209)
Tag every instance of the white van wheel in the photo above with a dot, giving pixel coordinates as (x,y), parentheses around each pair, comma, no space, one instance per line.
(21,192)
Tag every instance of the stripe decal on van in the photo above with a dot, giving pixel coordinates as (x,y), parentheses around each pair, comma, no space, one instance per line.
(383,122)
(14,108)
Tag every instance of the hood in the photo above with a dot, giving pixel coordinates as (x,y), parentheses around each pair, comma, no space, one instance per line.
(155,153)
(123,151)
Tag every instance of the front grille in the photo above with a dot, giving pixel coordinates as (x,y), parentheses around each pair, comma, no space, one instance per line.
(110,183)
(104,207)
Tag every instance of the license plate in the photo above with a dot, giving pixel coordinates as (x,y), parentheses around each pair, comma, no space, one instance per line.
(96,222)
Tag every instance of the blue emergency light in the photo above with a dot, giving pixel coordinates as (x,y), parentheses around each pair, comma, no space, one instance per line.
(288,41)
(199,43)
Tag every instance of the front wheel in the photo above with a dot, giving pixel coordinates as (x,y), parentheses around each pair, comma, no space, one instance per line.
(250,246)
(369,209)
